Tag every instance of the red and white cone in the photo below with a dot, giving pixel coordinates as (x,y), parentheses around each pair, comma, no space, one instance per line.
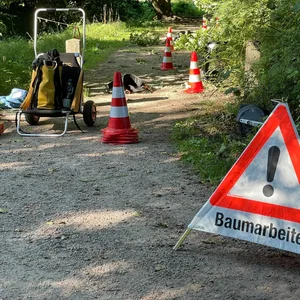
(119,130)
(167,63)
(169,36)
(204,24)
(195,83)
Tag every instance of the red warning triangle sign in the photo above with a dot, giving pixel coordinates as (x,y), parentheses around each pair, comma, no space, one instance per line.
(259,198)
(279,119)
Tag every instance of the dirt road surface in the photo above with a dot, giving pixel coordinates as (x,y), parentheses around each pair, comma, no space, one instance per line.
(80,219)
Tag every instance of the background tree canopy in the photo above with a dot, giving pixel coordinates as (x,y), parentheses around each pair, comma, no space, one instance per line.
(16,16)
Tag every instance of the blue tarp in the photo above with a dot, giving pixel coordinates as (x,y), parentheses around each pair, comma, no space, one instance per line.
(14,99)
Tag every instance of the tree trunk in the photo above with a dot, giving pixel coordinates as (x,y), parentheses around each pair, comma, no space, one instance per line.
(162,8)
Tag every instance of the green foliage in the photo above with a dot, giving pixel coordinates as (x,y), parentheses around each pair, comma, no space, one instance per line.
(210,7)
(239,22)
(211,160)
(208,145)
(16,54)
(17,16)
(144,12)
(2,29)
(102,40)
(115,10)
(186,8)
(277,72)
(275,25)
(226,66)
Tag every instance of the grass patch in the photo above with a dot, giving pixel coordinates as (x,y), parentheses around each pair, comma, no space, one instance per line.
(17,54)
(210,142)
(102,40)
(15,68)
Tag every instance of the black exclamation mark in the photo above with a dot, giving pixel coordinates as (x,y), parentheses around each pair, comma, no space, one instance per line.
(273,156)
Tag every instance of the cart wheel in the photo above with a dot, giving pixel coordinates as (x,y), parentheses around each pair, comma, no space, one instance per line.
(31,119)
(89,113)
(249,112)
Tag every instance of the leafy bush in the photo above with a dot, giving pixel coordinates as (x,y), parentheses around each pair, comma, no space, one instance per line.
(186,8)
(278,71)
(209,143)
(144,12)
(239,21)
(223,64)
(275,25)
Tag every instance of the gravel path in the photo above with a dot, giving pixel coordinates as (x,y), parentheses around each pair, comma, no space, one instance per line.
(80,219)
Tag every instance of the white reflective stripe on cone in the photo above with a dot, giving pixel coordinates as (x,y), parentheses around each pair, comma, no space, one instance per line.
(168,49)
(118,112)
(167,59)
(193,65)
(194,78)
(118,92)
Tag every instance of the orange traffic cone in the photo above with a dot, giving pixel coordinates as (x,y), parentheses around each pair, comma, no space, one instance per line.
(195,83)
(167,63)
(204,24)
(169,36)
(119,130)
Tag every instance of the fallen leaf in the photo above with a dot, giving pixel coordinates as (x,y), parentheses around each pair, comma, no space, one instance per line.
(137,214)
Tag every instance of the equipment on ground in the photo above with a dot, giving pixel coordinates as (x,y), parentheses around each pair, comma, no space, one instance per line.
(132,84)
(249,116)
(56,88)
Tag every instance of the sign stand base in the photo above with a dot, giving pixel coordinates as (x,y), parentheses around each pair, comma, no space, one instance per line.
(183,237)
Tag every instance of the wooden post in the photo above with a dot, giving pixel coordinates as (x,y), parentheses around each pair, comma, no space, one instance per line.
(73,46)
